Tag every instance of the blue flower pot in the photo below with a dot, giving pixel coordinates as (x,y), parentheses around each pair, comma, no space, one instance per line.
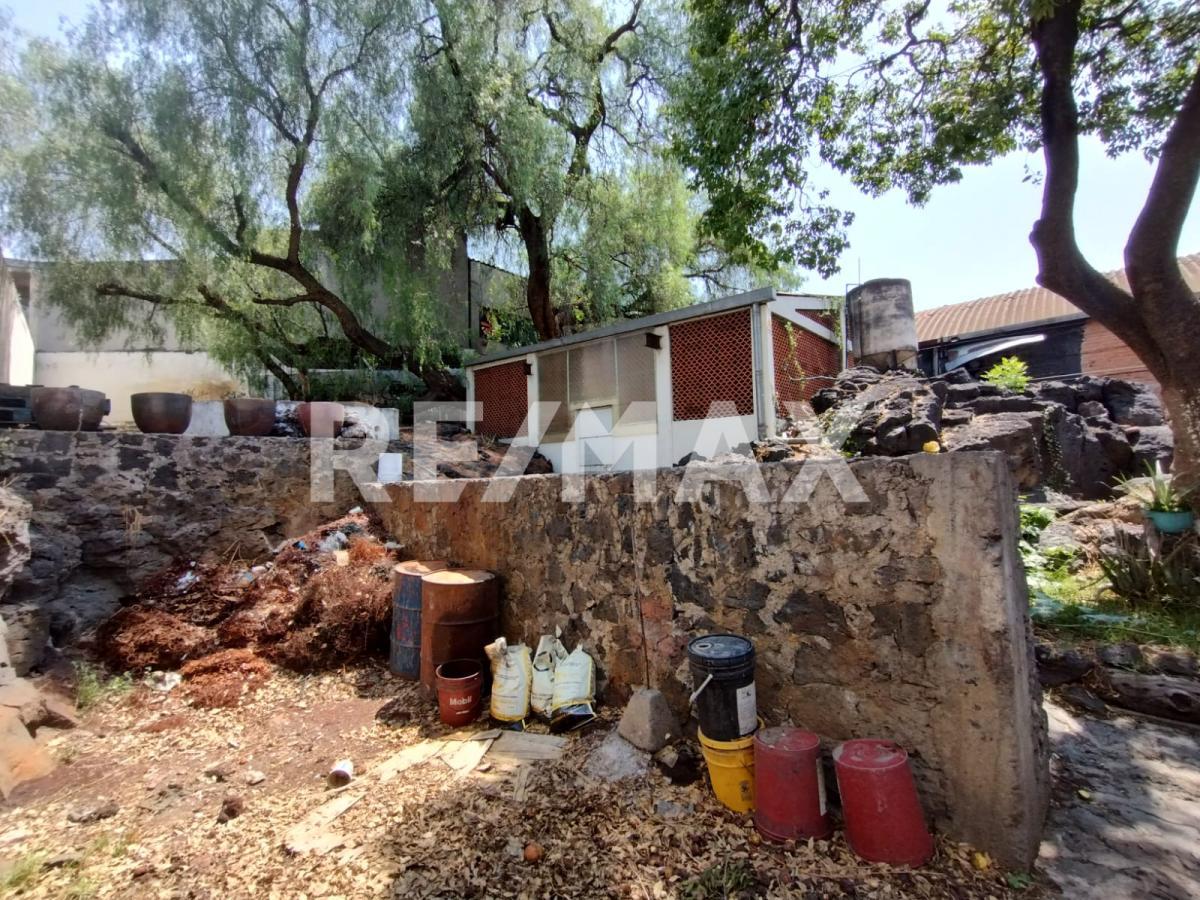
(1171,522)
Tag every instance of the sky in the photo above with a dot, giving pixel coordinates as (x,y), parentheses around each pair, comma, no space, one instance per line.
(971,240)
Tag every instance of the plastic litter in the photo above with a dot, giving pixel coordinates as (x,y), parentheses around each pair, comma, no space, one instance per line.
(335,541)
(341,774)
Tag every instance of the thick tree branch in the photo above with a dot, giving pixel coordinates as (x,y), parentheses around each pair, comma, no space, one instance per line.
(1153,246)
(1061,265)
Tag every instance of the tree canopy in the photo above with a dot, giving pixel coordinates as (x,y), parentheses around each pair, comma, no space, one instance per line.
(300,171)
(905,95)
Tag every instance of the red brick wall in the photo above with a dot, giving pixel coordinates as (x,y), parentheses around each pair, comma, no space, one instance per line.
(503,391)
(1104,353)
(712,359)
(798,359)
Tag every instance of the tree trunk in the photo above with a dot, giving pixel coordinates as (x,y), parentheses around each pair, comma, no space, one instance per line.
(1181,397)
(537,288)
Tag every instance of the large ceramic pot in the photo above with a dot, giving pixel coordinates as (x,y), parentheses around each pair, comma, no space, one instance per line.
(251,417)
(68,409)
(321,419)
(161,413)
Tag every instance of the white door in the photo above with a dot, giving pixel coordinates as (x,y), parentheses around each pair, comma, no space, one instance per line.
(593,437)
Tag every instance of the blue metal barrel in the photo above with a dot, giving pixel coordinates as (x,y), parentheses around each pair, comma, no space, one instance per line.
(405,659)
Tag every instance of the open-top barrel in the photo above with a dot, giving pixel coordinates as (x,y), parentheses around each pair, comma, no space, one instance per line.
(460,615)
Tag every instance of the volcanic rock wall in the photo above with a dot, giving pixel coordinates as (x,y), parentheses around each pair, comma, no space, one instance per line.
(903,616)
(111,508)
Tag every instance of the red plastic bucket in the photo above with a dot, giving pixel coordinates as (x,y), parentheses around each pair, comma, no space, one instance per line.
(789,786)
(884,822)
(460,691)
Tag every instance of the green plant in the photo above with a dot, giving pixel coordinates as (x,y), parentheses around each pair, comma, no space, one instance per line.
(92,686)
(1148,578)
(1158,493)
(1010,373)
(22,873)
(723,880)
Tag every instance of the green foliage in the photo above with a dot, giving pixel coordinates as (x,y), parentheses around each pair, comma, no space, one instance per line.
(1145,578)
(93,686)
(22,873)
(723,881)
(1159,492)
(898,95)
(301,174)
(1011,374)
(1034,520)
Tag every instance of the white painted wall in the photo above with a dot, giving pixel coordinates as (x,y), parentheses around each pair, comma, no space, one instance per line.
(20,353)
(708,437)
(121,373)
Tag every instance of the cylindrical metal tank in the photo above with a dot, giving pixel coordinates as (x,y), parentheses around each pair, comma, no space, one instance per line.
(405,658)
(883,327)
(460,615)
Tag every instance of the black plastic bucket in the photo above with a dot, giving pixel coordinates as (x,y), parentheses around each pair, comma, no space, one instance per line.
(723,672)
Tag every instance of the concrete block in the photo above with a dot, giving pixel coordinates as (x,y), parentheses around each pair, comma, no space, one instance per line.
(648,722)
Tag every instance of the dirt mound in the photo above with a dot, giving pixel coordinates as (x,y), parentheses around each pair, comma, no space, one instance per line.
(300,609)
(222,679)
(141,638)
(344,613)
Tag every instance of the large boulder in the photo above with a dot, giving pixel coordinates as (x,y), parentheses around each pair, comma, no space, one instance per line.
(1153,443)
(1132,403)
(1016,434)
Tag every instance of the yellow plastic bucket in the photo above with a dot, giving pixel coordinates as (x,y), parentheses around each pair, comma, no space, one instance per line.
(731,771)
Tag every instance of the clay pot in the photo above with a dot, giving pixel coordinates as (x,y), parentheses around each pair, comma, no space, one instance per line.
(161,413)
(68,409)
(321,419)
(251,417)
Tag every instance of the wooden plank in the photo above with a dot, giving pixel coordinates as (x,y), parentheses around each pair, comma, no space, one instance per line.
(521,747)
(312,834)
(406,759)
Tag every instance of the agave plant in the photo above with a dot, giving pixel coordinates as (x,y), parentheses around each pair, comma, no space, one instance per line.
(1159,492)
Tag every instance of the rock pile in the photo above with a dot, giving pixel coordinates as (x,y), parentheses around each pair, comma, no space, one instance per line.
(1074,435)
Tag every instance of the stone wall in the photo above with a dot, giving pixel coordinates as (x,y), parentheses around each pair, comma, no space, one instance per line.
(904,616)
(111,508)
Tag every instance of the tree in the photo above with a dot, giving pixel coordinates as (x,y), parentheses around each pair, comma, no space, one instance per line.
(191,133)
(302,170)
(543,115)
(895,96)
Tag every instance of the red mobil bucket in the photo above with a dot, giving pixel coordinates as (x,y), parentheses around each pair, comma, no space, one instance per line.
(884,822)
(460,691)
(789,786)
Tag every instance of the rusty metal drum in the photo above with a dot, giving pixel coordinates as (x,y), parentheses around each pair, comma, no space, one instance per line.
(460,615)
(405,656)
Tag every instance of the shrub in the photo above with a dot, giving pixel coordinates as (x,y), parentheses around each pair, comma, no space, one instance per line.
(1169,578)
(1010,373)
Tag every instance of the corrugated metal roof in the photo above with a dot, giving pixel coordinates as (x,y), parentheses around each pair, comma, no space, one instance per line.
(1023,307)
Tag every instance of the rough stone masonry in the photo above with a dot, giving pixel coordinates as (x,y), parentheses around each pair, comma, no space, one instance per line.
(903,617)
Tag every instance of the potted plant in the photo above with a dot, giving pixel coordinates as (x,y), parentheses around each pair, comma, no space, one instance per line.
(1164,503)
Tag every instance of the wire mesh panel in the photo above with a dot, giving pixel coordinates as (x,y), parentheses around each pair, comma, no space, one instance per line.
(552,388)
(635,380)
(592,374)
(804,363)
(503,392)
(712,359)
